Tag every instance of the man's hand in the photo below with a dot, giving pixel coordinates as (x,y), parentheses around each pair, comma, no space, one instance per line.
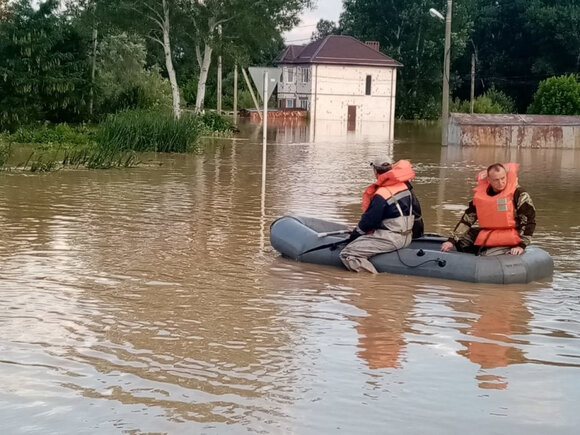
(517,250)
(446,246)
(354,234)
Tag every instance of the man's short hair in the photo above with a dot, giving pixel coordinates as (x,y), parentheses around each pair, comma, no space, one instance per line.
(496,167)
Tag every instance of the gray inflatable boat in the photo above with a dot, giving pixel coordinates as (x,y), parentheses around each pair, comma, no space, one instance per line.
(306,239)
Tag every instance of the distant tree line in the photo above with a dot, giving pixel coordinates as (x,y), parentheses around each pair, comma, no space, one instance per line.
(517,44)
(78,60)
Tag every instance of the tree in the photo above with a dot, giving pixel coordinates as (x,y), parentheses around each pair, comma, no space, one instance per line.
(407,33)
(557,96)
(323,29)
(158,14)
(235,24)
(43,66)
(521,42)
(149,18)
(123,81)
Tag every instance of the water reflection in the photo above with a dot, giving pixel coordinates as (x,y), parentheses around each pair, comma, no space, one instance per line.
(499,317)
(149,297)
(382,327)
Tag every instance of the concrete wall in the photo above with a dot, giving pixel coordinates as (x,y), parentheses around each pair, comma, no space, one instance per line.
(514,131)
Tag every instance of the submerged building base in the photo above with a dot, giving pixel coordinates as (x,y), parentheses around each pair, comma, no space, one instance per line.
(514,131)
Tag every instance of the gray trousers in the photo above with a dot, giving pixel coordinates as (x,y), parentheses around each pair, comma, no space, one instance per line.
(355,256)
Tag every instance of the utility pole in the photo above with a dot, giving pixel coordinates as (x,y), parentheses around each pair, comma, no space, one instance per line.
(219,76)
(472,83)
(236,93)
(446,61)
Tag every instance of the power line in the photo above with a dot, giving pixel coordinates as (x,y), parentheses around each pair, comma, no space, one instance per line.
(299,40)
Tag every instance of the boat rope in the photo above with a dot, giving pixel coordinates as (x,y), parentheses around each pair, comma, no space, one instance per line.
(440,262)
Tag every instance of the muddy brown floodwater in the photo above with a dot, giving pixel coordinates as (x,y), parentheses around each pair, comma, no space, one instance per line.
(149,300)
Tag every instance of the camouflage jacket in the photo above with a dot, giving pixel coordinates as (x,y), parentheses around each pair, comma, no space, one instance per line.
(525,218)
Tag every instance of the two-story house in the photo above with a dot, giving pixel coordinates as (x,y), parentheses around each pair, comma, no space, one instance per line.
(339,78)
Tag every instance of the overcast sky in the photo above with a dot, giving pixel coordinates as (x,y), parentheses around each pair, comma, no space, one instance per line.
(324,9)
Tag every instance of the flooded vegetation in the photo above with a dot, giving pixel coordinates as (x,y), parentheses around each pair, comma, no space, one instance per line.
(112,144)
(149,299)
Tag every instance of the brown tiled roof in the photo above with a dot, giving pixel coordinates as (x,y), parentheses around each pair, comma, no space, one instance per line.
(289,53)
(336,50)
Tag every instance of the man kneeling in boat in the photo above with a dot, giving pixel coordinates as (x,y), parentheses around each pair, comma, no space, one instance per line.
(387,221)
(504,211)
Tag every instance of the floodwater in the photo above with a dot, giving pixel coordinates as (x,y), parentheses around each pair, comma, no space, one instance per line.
(149,300)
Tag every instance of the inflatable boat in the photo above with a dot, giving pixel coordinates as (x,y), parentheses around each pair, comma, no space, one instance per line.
(313,240)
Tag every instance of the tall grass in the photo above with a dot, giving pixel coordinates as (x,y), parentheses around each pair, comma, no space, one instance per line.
(113,143)
(144,130)
(5,152)
(89,157)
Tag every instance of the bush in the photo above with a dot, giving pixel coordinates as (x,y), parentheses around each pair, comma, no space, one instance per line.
(123,82)
(47,134)
(215,122)
(149,130)
(507,104)
(557,96)
(492,101)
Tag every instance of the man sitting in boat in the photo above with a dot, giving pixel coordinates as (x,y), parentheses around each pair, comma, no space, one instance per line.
(504,211)
(387,220)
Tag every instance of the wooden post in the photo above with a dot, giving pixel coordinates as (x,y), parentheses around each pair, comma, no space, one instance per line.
(219,77)
(93,69)
(446,60)
(472,83)
(236,93)
(251,92)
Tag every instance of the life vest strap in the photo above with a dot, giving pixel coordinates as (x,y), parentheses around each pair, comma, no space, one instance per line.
(398,196)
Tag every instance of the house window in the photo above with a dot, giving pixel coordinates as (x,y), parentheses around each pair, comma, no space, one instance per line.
(305,75)
(290,75)
(303,103)
(289,104)
(368,85)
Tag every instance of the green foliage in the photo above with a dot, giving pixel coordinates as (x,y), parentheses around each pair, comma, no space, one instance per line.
(215,122)
(47,134)
(43,68)
(148,130)
(557,96)
(323,29)
(5,152)
(189,90)
(123,82)
(521,42)
(500,98)
(492,101)
(89,157)
(408,34)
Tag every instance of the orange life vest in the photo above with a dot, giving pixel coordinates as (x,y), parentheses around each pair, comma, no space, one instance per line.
(390,183)
(496,214)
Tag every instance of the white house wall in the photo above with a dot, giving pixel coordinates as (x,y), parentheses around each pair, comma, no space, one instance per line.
(337,87)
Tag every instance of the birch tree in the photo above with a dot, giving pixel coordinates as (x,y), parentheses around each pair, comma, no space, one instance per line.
(149,18)
(238,21)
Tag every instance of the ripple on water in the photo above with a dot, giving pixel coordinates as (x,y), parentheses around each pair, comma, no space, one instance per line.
(149,300)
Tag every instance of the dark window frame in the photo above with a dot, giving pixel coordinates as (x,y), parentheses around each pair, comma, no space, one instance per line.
(368,84)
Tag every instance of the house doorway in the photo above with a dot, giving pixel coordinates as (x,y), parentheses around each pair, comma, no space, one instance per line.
(351,119)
